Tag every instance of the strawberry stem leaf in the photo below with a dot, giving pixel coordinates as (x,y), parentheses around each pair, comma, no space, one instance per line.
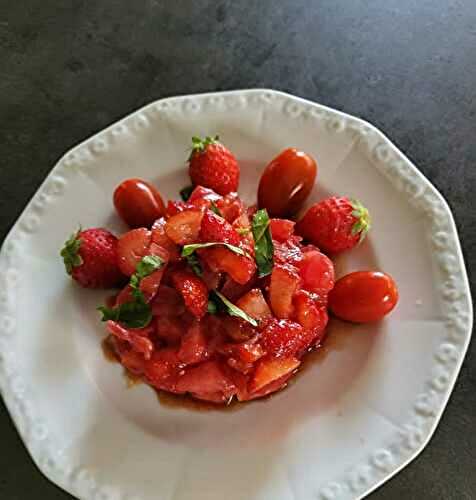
(362,224)
(70,252)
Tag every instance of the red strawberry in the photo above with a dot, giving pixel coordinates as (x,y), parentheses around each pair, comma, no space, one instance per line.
(335,224)
(272,371)
(90,257)
(281,229)
(193,346)
(317,272)
(285,338)
(184,227)
(217,229)
(212,165)
(284,282)
(193,290)
(230,206)
(254,304)
(240,268)
(131,247)
(309,315)
(160,237)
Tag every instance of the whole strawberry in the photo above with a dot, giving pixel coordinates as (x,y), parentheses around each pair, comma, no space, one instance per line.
(335,224)
(213,166)
(90,258)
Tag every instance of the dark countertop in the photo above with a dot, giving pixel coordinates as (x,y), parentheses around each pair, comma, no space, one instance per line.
(69,68)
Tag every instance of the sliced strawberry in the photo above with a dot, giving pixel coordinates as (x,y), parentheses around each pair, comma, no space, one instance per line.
(233,290)
(136,337)
(230,206)
(163,369)
(240,268)
(203,197)
(193,346)
(285,338)
(193,290)
(237,329)
(284,282)
(125,295)
(133,361)
(308,315)
(282,229)
(159,236)
(248,351)
(270,370)
(170,329)
(131,247)
(254,304)
(317,272)
(176,207)
(217,229)
(184,227)
(207,381)
(211,278)
(167,302)
(288,252)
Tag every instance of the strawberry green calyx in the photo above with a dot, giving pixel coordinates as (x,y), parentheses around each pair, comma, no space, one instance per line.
(200,145)
(363,222)
(70,252)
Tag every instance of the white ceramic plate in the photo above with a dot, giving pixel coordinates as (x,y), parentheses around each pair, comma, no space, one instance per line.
(357,416)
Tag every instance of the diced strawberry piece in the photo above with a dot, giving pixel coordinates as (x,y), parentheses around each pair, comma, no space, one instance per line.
(133,361)
(163,369)
(170,329)
(317,272)
(230,206)
(211,278)
(167,302)
(288,252)
(240,268)
(217,229)
(193,346)
(203,197)
(136,337)
(206,379)
(150,284)
(308,315)
(131,247)
(125,295)
(242,226)
(193,290)
(184,227)
(159,236)
(248,351)
(240,380)
(176,207)
(254,304)
(282,229)
(274,386)
(284,282)
(270,370)
(240,365)
(237,329)
(285,338)
(233,290)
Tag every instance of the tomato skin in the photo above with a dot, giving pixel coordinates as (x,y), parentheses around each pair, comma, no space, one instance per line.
(286,182)
(363,296)
(138,203)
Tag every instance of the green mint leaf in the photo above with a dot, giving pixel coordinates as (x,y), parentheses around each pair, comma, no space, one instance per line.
(137,314)
(194,263)
(189,249)
(148,265)
(186,192)
(264,248)
(232,309)
(70,252)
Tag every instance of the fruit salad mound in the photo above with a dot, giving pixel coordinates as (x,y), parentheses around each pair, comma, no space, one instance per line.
(217,300)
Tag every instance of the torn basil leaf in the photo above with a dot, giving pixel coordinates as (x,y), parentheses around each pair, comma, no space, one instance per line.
(264,248)
(189,249)
(221,302)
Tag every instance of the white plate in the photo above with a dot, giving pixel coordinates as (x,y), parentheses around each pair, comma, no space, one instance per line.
(358,415)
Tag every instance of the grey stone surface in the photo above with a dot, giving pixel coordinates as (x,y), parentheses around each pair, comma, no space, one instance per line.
(70,67)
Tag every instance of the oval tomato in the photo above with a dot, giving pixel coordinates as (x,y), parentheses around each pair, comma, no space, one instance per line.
(363,296)
(138,203)
(286,183)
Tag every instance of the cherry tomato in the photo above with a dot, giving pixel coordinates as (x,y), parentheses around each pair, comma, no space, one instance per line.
(363,296)
(286,183)
(138,203)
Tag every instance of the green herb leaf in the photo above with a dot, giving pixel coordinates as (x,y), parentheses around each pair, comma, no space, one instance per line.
(186,192)
(189,249)
(215,209)
(264,248)
(194,263)
(200,145)
(69,252)
(362,224)
(231,309)
(136,314)
(212,307)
